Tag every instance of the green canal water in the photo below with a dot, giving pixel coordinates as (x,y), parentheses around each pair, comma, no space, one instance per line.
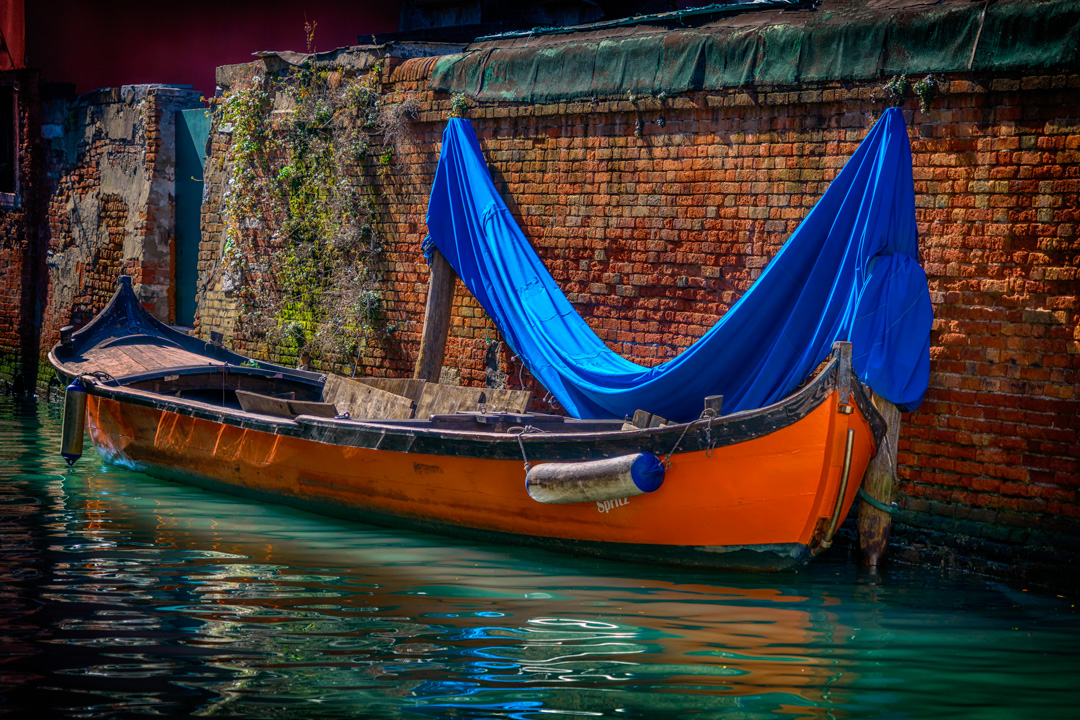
(126,596)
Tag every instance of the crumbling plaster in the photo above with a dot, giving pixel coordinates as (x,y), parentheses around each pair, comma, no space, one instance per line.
(124,140)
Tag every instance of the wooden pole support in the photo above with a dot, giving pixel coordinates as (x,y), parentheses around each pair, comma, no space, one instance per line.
(879,483)
(440,298)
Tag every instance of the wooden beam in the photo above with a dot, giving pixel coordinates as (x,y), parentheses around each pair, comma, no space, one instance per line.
(440,299)
(879,482)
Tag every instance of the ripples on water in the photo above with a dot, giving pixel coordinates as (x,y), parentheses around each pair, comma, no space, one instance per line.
(126,596)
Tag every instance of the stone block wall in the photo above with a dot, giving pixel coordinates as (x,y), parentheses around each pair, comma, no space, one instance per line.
(654,215)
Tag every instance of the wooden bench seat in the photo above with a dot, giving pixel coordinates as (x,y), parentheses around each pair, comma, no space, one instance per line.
(283,406)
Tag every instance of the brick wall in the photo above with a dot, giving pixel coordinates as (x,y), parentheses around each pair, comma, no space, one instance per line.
(654,216)
(991,461)
(397,193)
(19,245)
(110,166)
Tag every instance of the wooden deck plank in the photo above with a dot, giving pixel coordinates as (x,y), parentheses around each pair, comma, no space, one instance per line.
(318,409)
(163,358)
(411,388)
(513,401)
(111,361)
(130,360)
(366,402)
(137,356)
(263,404)
(447,399)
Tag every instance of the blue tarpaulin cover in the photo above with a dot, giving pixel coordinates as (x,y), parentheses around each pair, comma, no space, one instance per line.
(850,271)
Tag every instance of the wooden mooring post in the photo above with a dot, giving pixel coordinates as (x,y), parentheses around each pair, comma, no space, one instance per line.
(440,298)
(879,483)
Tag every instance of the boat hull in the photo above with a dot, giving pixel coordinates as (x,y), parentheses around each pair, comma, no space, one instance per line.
(769,501)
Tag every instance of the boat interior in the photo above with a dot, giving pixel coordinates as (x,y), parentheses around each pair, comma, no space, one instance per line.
(391,401)
(126,346)
(174,367)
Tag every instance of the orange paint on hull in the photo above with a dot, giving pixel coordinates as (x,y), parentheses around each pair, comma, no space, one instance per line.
(777,489)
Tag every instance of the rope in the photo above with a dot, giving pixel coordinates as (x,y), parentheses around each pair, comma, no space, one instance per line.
(707,415)
(552,401)
(875,503)
(101,375)
(519,430)
(667,458)
(427,246)
(523,455)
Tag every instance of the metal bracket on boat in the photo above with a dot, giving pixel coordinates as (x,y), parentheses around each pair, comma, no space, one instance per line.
(844,476)
(843,370)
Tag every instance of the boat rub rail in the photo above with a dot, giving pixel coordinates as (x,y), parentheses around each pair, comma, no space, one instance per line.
(573,440)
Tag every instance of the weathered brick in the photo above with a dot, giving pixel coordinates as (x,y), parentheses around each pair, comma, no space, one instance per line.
(654,238)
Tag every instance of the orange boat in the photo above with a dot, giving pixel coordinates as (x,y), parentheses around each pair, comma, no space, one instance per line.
(763,489)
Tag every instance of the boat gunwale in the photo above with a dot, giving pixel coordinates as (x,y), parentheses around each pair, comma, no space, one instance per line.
(124,310)
(709,433)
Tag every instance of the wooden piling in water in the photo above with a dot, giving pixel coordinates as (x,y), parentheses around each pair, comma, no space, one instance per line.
(879,483)
(440,298)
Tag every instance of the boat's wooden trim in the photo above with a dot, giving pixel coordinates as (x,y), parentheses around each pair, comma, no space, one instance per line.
(564,444)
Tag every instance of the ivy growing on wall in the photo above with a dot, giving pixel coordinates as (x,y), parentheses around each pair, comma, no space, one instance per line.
(302,251)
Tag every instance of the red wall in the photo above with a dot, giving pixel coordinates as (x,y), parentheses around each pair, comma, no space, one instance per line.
(11,24)
(126,42)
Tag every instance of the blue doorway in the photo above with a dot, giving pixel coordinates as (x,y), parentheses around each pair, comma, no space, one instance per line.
(192,130)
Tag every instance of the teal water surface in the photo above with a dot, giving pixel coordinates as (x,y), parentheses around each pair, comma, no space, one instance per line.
(126,596)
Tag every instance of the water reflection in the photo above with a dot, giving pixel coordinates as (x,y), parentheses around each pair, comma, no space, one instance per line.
(126,596)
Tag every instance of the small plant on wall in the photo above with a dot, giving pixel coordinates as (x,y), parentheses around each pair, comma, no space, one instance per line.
(896,90)
(459,106)
(302,249)
(926,91)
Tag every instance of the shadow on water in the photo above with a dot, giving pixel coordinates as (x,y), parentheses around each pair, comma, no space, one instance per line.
(126,596)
